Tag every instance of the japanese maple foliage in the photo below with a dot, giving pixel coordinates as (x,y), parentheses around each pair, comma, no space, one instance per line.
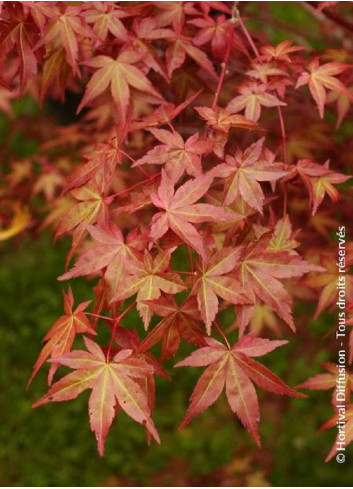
(187,147)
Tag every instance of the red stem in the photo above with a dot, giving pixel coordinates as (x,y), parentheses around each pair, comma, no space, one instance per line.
(224,66)
(134,161)
(149,179)
(116,324)
(184,273)
(246,33)
(221,332)
(99,316)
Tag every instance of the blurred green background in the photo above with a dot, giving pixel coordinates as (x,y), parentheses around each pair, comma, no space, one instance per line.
(53,445)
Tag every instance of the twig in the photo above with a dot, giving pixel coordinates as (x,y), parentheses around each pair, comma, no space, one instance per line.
(221,332)
(245,31)
(116,324)
(224,64)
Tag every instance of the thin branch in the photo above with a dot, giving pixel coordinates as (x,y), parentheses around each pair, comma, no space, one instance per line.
(221,332)
(246,32)
(224,64)
(147,180)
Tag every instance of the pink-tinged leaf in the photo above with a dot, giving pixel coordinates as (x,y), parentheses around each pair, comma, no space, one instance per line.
(179,322)
(61,335)
(319,180)
(147,278)
(179,210)
(214,282)
(203,356)
(260,270)
(177,155)
(244,171)
(111,383)
(323,77)
(242,398)
(253,346)
(264,378)
(235,371)
(252,98)
(207,390)
(120,75)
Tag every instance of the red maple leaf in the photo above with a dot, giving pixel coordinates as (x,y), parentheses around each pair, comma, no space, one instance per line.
(177,155)
(215,280)
(179,322)
(323,77)
(179,210)
(252,97)
(319,180)
(110,254)
(260,270)
(119,74)
(113,383)
(61,335)
(233,369)
(147,277)
(244,171)
(331,380)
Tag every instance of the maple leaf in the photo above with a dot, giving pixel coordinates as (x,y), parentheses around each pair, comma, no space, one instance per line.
(177,155)
(329,278)
(91,206)
(262,72)
(280,52)
(343,104)
(147,30)
(331,380)
(130,340)
(105,17)
(176,55)
(179,322)
(347,420)
(64,29)
(283,236)
(48,183)
(180,210)
(17,35)
(320,77)
(244,171)
(234,369)
(147,278)
(110,253)
(101,160)
(319,180)
(120,74)
(216,31)
(113,383)
(260,270)
(258,317)
(61,335)
(214,280)
(162,115)
(252,97)
(222,120)
(174,13)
